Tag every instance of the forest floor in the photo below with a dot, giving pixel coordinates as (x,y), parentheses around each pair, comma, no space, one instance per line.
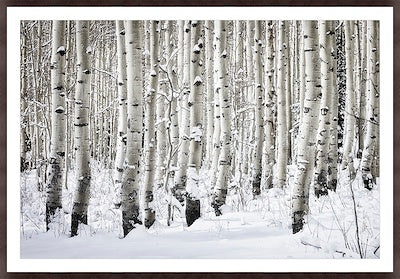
(248,229)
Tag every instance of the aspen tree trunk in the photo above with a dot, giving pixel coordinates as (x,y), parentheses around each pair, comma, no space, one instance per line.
(196,124)
(225,157)
(350,108)
(217,118)
(150,144)
(83,177)
(326,45)
(259,92)
(289,87)
(161,99)
(37,89)
(372,113)
(57,152)
(302,81)
(282,130)
(25,163)
(68,108)
(294,131)
(249,98)
(180,65)
(363,87)
(341,85)
(131,173)
(122,84)
(173,126)
(357,86)
(37,141)
(333,111)
(237,98)
(268,151)
(375,171)
(183,155)
(308,127)
(296,93)
(210,90)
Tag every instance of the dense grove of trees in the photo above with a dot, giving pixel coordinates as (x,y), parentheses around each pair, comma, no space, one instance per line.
(157,101)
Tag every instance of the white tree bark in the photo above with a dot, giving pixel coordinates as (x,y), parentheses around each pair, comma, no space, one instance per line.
(225,157)
(196,123)
(363,86)
(269,148)
(372,113)
(209,52)
(83,176)
(161,100)
(217,117)
(326,52)
(180,65)
(131,173)
(308,127)
(150,144)
(237,98)
(122,114)
(333,111)
(350,108)
(183,155)
(282,128)
(24,138)
(302,82)
(173,125)
(57,147)
(259,92)
(249,99)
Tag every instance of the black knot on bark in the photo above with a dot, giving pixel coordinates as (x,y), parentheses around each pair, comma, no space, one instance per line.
(62,154)
(61,52)
(81,124)
(197,82)
(59,110)
(330,32)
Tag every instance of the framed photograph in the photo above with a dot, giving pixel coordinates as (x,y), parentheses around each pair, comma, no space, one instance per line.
(191,139)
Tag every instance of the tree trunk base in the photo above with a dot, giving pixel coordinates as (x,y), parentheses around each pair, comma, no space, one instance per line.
(219,200)
(298,221)
(321,186)
(257,185)
(150,217)
(368,181)
(128,223)
(332,185)
(192,211)
(76,219)
(323,191)
(50,211)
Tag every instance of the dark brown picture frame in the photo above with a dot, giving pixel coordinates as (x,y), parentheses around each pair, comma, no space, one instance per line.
(3,131)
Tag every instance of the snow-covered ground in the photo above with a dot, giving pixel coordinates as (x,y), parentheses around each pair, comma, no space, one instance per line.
(248,229)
